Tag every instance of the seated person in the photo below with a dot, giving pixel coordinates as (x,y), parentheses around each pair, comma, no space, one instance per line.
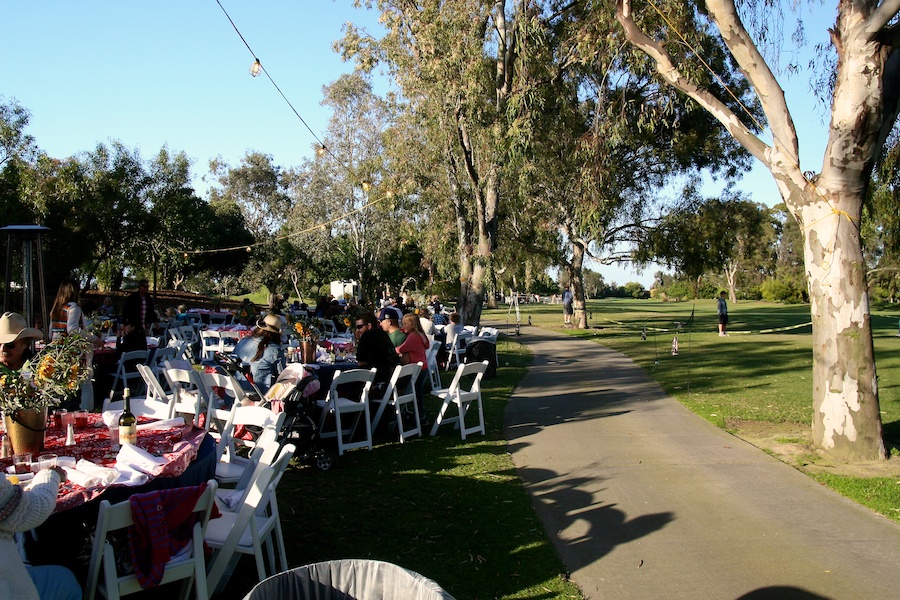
(390,323)
(454,329)
(16,341)
(263,352)
(23,509)
(425,321)
(106,309)
(374,348)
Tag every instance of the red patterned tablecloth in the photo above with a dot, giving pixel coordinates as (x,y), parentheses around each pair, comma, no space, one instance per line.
(178,445)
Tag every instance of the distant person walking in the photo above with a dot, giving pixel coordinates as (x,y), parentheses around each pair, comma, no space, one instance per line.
(722,310)
(567,300)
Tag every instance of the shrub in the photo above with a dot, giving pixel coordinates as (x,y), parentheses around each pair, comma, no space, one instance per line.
(776,290)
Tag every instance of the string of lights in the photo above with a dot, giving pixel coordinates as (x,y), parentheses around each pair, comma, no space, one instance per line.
(255,69)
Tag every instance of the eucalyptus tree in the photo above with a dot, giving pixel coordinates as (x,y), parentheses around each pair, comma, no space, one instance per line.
(257,186)
(454,62)
(343,190)
(864,107)
(602,135)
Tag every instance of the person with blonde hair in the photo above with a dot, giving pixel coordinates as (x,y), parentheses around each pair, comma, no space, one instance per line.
(413,350)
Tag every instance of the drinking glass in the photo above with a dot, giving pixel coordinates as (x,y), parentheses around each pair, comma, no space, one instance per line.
(47,461)
(22,463)
(114,436)
(81,418)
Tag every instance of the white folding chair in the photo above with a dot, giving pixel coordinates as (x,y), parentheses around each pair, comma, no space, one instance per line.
(229,340)
(335,405)
(160,355)
(254,525)
(230,467)
(434,372)
(155,391)
(400,400)
(217,411)
(457,352)
(188,566)
(261,456)
(188,392)
(462,399)
(126,377)
(210,343)
(140,407)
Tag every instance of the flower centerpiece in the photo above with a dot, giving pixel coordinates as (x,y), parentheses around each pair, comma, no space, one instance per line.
(45,380)
(307,331)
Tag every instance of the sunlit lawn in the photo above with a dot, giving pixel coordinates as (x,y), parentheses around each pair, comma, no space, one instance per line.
(755,374)
(453,511)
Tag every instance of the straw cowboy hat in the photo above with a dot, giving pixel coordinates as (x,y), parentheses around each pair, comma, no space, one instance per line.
(270,323)
(13,327)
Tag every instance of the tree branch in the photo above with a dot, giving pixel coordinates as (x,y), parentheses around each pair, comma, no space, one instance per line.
(881,16)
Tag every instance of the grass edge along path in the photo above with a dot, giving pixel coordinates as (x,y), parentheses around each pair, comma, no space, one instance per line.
(455,512)
(755,385)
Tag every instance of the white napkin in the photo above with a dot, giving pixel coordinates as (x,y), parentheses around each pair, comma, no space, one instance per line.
(163,424)
(87,474)
(129,476)
(132,458)
(111,416)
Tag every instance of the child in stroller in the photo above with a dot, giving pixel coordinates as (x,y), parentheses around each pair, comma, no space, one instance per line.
(290,394)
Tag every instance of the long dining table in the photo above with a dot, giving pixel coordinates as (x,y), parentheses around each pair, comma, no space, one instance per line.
(186,456)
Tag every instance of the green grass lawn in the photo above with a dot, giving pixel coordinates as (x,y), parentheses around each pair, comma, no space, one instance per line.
(754,375)
(454,511)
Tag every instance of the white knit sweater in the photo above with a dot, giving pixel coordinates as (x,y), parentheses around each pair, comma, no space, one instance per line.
(21,511)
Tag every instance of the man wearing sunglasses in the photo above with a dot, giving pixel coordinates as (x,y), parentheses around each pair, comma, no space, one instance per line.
(15,341)
(374,347)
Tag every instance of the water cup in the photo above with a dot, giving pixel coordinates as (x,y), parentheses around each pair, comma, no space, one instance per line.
(114,437)
(47,461)
(59,418)
(22,463)
(81,418)
(68,418)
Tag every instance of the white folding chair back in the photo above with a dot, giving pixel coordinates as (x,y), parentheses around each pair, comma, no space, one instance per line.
(457,353)
(462,399)
(160,355)
(402,400)
(189,567)
(217,411)
(339,407)
(155,391)
(236,533)
(230,467)
(210,343)
(229,340)
(178,346)
(238,470)
(127,377)
(188,392)
(434,373)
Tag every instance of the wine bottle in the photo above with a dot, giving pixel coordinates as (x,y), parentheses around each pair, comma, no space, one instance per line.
(127,422)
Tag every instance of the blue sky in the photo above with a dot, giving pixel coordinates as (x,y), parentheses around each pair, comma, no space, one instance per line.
(175,72)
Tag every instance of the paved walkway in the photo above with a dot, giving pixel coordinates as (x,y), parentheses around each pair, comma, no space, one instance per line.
(643,499)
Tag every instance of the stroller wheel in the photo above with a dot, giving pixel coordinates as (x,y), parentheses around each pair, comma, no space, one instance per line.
(324,460)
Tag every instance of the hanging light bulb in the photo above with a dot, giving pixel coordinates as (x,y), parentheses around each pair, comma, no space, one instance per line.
(366,185)
(255,68)
(249,249)
(320,150)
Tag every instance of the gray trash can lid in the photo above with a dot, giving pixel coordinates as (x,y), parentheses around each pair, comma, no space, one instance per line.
(356,579)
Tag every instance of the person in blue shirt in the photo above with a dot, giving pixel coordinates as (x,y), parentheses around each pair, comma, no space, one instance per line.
(262,350)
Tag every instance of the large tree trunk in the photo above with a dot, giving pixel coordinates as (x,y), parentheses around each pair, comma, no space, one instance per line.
(576,280)
(846,414)
(865,104)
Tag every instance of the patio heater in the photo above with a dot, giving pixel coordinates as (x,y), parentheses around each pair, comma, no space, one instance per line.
(23,248)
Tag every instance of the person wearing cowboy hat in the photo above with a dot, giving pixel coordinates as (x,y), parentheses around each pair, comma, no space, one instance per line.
(16,341)
(262,350)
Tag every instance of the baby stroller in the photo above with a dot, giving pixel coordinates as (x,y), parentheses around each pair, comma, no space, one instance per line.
(290,394)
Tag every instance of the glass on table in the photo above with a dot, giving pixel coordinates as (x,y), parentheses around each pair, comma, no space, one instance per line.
(114,436)
(81,418)
(59,418)
(47,461)
(22,463)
